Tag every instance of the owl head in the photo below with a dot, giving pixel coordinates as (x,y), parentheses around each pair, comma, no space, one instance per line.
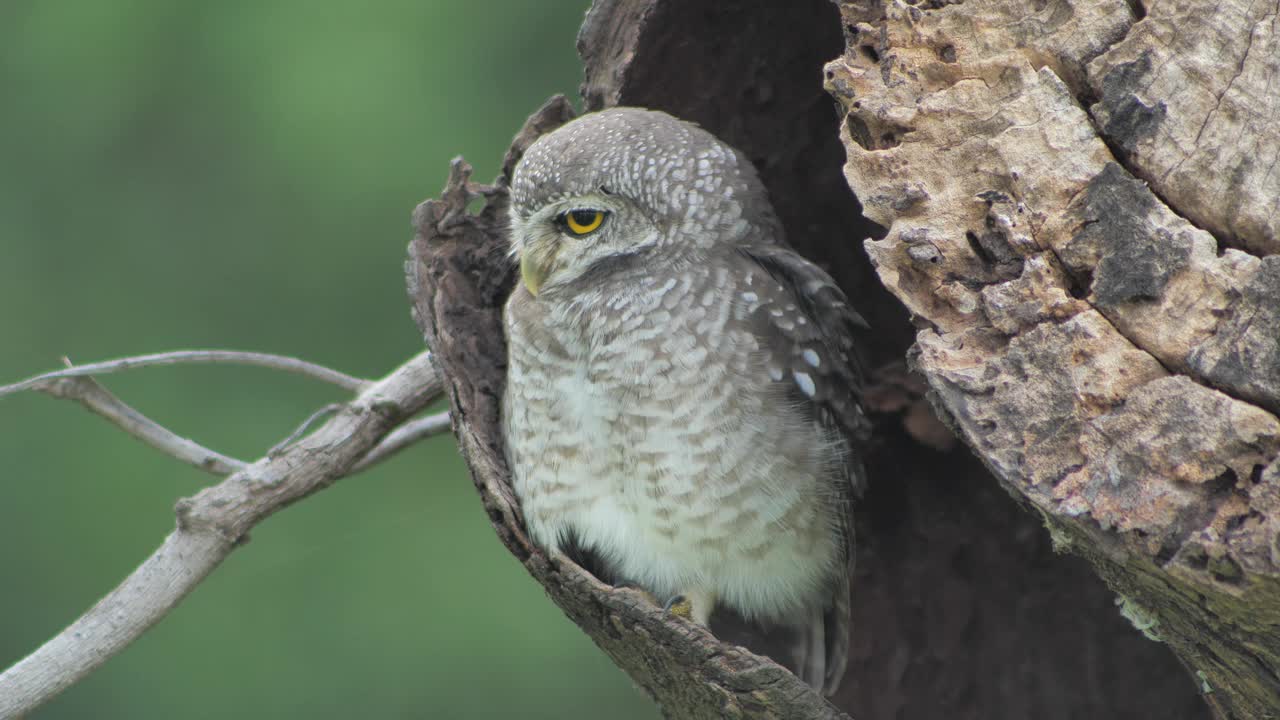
(628,186)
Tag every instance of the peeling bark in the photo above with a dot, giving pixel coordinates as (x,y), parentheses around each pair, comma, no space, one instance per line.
(1106,348)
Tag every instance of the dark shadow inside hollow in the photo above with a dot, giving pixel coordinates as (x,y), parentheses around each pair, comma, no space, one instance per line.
(961,607)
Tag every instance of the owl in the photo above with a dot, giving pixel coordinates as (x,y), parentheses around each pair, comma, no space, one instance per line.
(683,399)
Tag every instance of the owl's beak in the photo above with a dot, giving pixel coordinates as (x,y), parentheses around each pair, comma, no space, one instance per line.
(536,262)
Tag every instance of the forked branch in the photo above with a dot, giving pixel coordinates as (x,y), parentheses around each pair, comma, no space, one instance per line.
(217,519)
(100,401)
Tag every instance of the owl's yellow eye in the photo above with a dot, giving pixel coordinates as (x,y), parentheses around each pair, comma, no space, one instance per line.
(581,222)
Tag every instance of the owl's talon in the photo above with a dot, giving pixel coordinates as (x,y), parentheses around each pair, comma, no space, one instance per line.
(680,606)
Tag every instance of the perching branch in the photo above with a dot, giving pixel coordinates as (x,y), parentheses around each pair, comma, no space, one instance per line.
(217,519)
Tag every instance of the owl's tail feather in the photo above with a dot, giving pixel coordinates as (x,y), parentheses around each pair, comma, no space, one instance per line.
(809,651)
(834,635)
(820,646)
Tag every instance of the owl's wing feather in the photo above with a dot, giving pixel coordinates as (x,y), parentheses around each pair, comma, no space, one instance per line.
(808,328)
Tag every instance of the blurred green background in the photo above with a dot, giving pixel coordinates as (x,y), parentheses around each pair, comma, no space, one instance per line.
(240,174)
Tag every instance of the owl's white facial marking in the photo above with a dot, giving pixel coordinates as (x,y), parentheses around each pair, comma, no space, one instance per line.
(550,251)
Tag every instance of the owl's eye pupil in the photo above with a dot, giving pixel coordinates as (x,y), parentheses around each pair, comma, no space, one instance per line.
(581,222)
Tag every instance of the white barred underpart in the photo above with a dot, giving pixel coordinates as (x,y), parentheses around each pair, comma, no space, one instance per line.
(672,404)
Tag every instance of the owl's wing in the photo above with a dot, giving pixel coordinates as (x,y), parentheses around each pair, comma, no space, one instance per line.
(808,329)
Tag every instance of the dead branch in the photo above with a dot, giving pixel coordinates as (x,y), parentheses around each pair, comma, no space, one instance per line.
(82,388)
(217,519)
(100,401)
(305,427)
(182,357)
(402,437)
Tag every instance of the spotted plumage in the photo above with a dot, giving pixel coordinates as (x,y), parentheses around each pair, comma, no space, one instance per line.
(682,396)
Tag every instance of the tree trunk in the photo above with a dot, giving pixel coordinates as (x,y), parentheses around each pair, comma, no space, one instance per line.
(1074,203)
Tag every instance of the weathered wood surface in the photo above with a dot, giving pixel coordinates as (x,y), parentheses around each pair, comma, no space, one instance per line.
(1191,98)
(1111,361)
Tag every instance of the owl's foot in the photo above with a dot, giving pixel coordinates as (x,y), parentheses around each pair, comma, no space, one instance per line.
(680,606)
(694,606)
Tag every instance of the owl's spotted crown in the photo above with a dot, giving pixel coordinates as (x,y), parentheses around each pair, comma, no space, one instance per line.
(673,168)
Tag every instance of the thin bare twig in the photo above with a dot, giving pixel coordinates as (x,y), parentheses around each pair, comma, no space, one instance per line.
(402,437)
(306,425)
(210,525)
(88,392)
(177,357)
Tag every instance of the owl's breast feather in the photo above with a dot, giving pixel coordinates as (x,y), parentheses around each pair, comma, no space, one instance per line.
(639,438)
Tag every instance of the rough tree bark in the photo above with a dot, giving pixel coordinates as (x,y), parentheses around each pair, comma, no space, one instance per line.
(1073,201)
(1078,202)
